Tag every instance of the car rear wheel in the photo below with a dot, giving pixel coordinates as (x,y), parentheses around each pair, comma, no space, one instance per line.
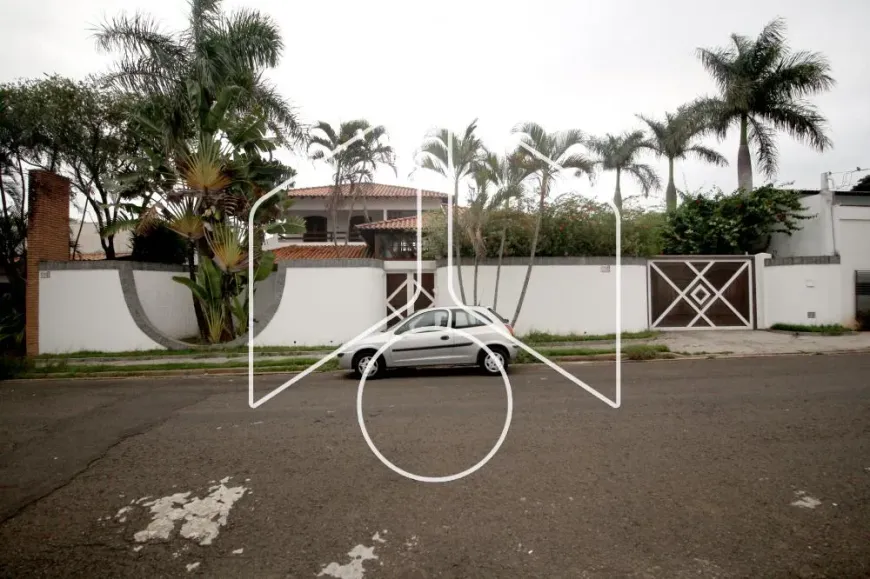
(493,363)
(362,360)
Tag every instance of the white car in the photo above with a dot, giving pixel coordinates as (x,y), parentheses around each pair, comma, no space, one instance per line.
(430,339)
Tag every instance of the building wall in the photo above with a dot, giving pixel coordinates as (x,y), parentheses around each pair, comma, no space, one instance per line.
(324,305)
(853,244)
(815,235)
(84,309)
(301,206)
(574,295)
(167,303)
(796,289)
(89,240)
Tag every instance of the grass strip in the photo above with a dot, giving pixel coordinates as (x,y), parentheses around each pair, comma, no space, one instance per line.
(65,368)
(544,337)
(192,352)
(823,329)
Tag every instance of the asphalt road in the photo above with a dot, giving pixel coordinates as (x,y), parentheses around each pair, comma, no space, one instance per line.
(711,468)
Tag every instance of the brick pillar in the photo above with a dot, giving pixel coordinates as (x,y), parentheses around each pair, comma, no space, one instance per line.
(47,240)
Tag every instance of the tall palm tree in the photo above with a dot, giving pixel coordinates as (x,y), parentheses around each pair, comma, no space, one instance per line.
(676,138)
(467,151)
(184,72)
(762,86)
(487,196)
(619,153)
(560,148)
(371,153)
(508,175)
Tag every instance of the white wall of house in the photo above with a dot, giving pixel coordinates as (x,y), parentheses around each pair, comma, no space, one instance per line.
(560,299)
(326,305)
(853,244)
(85,310)
(792,292)
(167,303)
(815,236)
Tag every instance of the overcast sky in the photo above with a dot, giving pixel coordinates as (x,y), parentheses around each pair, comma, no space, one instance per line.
(586,65)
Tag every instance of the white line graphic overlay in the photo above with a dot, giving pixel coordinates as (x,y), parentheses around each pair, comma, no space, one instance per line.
(252,402)
(435,479)
(458,302)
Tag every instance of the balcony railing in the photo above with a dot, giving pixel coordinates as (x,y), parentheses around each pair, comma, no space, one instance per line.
(321,236)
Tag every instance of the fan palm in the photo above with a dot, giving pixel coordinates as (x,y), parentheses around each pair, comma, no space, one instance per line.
(619,153)
(554,152)
(675,138)
(466,153)
(183,73)
(762,89)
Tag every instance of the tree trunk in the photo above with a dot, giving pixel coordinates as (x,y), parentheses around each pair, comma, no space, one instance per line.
(617,195)
(197,307)
(744,159)
(671,191)
(79,234)
(498,268)
(457,246)
(476,269)
(544,185)
(349,217)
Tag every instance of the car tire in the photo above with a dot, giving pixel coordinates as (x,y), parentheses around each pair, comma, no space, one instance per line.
(360,360)
(486,363)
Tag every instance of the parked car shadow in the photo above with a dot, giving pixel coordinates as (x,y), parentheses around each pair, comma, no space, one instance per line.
(429,372)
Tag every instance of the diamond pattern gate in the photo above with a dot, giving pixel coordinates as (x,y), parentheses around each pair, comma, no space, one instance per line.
(401,288)
(701,293)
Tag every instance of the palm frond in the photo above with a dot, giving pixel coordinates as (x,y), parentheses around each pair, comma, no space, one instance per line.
(645,175)
(766,151)
(802,121)
(707,155)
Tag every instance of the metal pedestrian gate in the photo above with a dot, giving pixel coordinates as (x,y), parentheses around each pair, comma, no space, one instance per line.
(701,293)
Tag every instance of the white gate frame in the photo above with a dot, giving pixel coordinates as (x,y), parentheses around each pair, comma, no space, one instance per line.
(711,297)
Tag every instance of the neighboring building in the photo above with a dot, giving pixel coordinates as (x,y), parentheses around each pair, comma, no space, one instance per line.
(89,246)
(373,203)
(840,226)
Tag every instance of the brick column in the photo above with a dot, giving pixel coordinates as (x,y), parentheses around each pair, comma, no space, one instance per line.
(47,240)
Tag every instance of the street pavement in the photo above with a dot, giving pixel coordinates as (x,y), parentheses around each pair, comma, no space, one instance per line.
(753,467)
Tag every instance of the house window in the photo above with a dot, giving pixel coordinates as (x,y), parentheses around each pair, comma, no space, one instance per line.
(354,233)
(315,229)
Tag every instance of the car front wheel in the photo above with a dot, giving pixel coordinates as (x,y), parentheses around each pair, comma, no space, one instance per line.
(362,360)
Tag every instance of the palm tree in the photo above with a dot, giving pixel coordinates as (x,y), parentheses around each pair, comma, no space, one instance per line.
(507,175)
(488,195)
(762,86)
(467,151)
(619,153)
(183,73)
(559,148)
(675,138)
(371,153)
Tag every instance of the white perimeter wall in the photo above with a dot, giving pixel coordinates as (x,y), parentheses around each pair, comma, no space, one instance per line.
(791,291)
(326,305)
(85,310)
(167,303)
(853,245)
(561,298)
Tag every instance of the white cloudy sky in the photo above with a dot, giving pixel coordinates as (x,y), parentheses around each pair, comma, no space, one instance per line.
(411,66)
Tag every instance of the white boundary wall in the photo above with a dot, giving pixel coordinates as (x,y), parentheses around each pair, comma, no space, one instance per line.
(561,299)
(167,303)
(84,309)
(326,306)
(793,292)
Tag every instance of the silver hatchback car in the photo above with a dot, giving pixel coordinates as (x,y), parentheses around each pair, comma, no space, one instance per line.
(429,338)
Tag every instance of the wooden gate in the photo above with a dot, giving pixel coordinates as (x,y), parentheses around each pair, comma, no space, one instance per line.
(401,288)
(701,293)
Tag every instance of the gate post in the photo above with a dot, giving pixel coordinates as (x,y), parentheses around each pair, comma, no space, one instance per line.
(760,309)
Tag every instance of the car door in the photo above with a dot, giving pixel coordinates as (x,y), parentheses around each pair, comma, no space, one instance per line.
(426,340)
(465,350)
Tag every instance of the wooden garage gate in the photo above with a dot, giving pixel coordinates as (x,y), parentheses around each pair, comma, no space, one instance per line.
(701,293)
(401,288)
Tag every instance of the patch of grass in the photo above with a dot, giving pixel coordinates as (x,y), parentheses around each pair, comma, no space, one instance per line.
(823,329)
(635,352)
(544,337)
(13,366)
(66,370)
(192,352)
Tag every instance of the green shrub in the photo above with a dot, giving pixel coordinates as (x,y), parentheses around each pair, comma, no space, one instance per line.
(824,329)
(13,366)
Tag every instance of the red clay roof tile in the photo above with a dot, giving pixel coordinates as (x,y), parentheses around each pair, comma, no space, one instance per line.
(369,191)
(320,252)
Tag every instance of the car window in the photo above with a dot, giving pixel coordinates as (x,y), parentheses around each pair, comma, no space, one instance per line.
(461,319)
(434,318)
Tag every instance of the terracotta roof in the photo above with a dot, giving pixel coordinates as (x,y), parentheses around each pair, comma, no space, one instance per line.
(320,252)
(400,223)
(370,191)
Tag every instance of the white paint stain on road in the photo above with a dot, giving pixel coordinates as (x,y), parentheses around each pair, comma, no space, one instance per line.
(377,538)
(353,570)
(805,501)
(203,517)
(238,551)
(192,566)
